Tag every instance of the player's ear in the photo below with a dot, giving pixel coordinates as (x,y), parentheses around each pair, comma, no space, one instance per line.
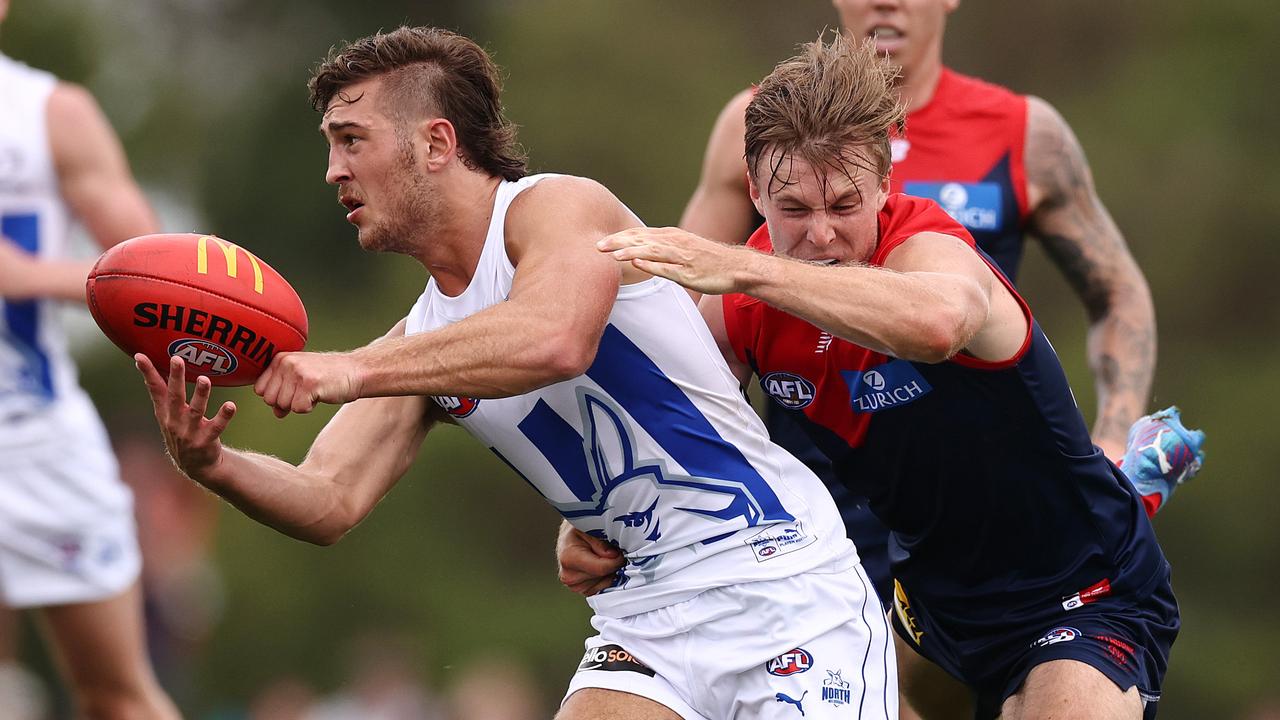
(754,192)
(439,142)
(882,192)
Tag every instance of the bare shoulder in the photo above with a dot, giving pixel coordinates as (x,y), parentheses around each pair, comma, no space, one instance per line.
(568,204)
(1055,163)
(735,111)
(71,109)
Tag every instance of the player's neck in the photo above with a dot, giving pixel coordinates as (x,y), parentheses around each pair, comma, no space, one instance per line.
(917,85)
(452,252)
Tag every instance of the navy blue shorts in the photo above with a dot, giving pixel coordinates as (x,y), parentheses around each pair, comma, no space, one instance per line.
(1127,638)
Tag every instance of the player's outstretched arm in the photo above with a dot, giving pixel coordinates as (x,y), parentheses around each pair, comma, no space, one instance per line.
(24,276)
(547,330)
(1085,244)
(931,300)
(353,463)
(720,208)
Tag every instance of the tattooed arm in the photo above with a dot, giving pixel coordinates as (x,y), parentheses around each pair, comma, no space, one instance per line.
(1085,244)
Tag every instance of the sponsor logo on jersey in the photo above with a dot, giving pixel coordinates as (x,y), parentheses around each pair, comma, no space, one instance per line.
(792,662)
(886,386)
(975,205)
(613,658)
(1093,593)
(834,689)
(790,391)
(902,609)
(824,342)
(458,407)
(1057,635)
(798,702)
(778,540)
(207,358)
(219,331)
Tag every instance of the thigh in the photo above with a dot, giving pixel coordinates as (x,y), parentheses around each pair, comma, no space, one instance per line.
(927,689)
(100,645)
(601,704)
(1068,689)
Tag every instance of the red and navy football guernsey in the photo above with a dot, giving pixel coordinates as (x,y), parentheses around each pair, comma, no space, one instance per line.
(1000,507)
(964,150)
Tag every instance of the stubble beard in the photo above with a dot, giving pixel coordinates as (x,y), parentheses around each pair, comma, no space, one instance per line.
(410,214)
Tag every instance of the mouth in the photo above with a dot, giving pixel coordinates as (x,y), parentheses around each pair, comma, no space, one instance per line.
(352,205)
(825,261)
(886,37)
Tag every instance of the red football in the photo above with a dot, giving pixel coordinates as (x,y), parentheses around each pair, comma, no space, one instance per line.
(212,303)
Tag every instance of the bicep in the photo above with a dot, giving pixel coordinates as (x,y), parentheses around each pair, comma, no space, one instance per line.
(93,172)
(720,207)
(1067,216)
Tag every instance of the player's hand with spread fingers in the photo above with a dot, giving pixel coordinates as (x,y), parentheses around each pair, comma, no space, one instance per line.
(587,564)
(194,441)
(298,381)
(695,262)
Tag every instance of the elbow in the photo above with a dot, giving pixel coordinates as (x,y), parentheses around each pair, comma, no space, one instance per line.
(567,355)
(939,337)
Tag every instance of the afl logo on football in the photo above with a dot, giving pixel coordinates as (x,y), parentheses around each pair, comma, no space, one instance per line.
(203,356)
(793,662)
(458,407)
(791,391)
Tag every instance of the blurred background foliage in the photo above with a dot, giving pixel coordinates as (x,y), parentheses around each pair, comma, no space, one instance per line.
(1168,99)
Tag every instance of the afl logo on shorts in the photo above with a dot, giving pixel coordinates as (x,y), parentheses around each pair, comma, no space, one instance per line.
(791,391)
(456,406)
(1057,635)
(205,357)
(790,663)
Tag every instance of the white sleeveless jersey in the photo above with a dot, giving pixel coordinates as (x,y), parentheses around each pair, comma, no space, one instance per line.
(35,368)
(654,447)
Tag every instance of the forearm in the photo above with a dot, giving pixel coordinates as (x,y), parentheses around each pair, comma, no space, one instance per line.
(913,316)
(301,504)
(500,352)
(1122,356)
(56,279)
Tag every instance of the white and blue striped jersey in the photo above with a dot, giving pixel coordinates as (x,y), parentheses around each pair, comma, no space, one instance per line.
(654,448)
(35,367)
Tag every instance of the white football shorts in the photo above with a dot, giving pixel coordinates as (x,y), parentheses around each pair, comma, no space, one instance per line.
(67,533)
(812,646)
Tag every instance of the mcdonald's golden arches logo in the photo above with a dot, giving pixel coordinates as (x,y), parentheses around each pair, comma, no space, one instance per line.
(229,254)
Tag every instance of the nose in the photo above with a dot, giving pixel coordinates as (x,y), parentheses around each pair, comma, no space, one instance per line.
(338,172)
(821,232)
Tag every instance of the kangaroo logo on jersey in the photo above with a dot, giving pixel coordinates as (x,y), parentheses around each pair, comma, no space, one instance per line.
(458,407)
(886,386)
(975,205)
(206,357)
(790,391)
(792,662)
(834,689)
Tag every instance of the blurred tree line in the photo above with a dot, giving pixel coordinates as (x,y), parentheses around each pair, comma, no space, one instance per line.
(1168,100)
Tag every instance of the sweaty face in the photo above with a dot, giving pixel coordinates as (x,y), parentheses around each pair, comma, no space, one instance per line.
(386,194)
(823,215)
(910,31)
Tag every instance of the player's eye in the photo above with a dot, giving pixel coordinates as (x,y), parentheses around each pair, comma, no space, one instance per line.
(349,140)
(844,207)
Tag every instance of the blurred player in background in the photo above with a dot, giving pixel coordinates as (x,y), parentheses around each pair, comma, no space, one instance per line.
(68,545)
(611,400)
